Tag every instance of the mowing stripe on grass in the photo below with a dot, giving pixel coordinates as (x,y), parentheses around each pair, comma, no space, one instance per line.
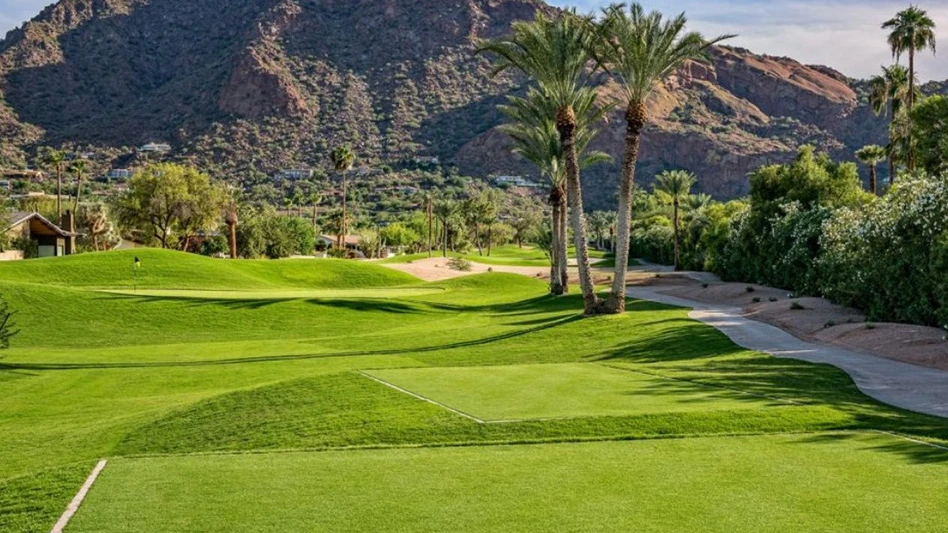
(420,397)
(77,501)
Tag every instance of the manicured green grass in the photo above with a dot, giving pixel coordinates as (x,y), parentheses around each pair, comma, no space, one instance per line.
(97,374)
(380,293)
(510,255)
(836,482)
(165,269)
(563,391)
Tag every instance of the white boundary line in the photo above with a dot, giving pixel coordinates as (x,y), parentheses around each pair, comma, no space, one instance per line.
(910,439)
(77,501)
(420,397)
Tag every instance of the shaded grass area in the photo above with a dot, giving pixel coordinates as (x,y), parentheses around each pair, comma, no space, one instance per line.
(770,483)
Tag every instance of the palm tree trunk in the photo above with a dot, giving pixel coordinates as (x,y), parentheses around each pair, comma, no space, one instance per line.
(344,226)
(490,238)
(635,116)
(910,156)
(556,279)
(566,126)
(59,194)
(872,178)
(564,243)
(444,238)
(677,243)
(75,203)
(430,213)
(315,215)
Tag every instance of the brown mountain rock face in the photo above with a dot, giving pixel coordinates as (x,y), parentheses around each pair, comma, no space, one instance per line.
(253,86)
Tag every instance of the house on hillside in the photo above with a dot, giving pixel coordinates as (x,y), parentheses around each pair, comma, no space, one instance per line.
(51,240)
(351,242)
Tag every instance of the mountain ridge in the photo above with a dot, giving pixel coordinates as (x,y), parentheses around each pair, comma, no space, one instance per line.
(247,87)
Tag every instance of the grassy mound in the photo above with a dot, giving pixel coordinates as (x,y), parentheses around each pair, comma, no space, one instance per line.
(166,269)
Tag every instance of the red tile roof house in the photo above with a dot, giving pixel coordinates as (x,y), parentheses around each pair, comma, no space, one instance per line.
(51,240)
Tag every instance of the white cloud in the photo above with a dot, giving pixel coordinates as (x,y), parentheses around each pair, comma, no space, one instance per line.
(842,34)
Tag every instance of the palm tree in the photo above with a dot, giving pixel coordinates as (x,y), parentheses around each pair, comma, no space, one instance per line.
(676,184)
(557,54)
(888,95)
(533,130)
(641,50)
(871,156)
(429,214)
(446,210)
(598,225)
(612,219)
(314,199)
(911,31)
(56,160)
(343,158)
(78,168)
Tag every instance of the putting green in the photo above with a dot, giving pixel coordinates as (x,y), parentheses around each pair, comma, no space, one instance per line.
(835,482)
(520,392)
(296,294)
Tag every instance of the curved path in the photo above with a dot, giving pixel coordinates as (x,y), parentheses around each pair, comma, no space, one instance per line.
(915,388)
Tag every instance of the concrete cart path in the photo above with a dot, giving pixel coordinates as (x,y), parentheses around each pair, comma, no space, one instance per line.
(915,388)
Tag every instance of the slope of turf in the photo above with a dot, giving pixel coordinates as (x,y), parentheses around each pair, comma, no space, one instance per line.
(95,374)
(165,269)
(772,483)
(528,256)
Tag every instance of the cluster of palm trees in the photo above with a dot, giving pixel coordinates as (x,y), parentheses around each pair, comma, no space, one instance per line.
(57,162)
(894,92)
(553,125)
(474,216)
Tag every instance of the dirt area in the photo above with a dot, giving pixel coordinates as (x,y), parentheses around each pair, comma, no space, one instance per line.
(812,319)
(437,269)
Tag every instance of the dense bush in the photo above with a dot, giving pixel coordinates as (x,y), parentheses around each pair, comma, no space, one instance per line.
(809,228)
(890,257)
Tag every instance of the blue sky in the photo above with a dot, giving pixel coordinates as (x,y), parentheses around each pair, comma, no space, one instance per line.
(843,34)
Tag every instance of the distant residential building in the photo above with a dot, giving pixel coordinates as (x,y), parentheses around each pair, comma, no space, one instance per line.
(427,160)
(120,174)
(51,240)
(159,148)
(515,181)
(296,174)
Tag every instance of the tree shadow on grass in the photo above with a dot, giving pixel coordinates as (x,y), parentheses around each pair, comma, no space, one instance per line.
(684,339)
(914,452)
(294,357)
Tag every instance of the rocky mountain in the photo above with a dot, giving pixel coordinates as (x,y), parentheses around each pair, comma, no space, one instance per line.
(253,86)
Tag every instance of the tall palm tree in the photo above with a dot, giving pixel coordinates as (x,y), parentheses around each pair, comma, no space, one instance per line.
(315,197)
(536,139)
(676,184)
(78,168)
(641,49)
(888,95)
(446,210)
(56,161)
(343,159)
(598,225)
(911,31)
(429,214)
(557,53)
(871,156)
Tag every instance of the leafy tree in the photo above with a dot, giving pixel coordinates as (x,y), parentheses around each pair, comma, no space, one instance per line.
(398,235)
(556,53)
(170,204)
(871,156)
(641,50)
(525,224)
(97,226)
(930,118)
(343,159)
(676,184)
(910,31)
(265,233)
(598,225)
